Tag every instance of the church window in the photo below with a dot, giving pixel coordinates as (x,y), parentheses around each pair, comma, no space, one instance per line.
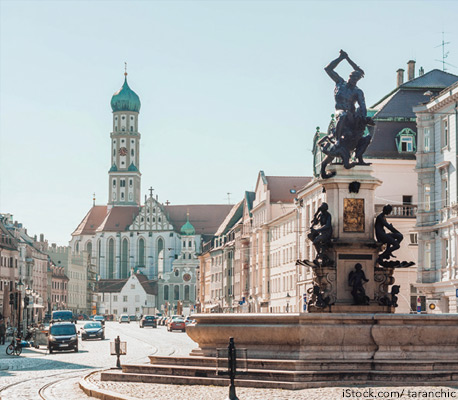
(166,292)
(130,182)
(131,118)
(147,219)
(122,141)
(123,183)
(189,256)
(189,244)
(123,117)
(114,152)
(124,258)
(154,210)
(184,243)
(132,142)
(154,219)
(132,152)
(131,128)
(141,253)
(186,292)
(160,219)
(177,273)
(114,182)
(122,162)
(110,259)
(122,195)
(176,292)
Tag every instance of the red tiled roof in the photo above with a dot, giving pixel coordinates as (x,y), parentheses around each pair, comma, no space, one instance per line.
(118,219)
(91,221)
(280,187)
(206,218)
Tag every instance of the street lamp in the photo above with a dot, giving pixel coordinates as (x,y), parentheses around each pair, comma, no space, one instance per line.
(28,292)
(288,298)
(19,287)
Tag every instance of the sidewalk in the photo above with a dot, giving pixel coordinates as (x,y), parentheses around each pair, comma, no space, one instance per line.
(93,386)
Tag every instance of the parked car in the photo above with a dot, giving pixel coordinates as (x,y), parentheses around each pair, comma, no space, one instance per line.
(133,317)
(93,330)
(189,320)
(63,316)
(99,318)
(124,318)
(83,317)
(176,324)
(63,336)
(148,320)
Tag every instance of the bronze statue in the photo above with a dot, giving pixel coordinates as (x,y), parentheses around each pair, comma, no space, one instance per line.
(347,136)
(356,280)
(321,237)
(393,239)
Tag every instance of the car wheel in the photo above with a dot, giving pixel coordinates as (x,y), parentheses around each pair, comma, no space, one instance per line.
(103,337)
(76,349)
(183,330)
(50,350)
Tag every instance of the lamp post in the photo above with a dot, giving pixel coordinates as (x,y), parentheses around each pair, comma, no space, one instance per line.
(288,299)
(27,296)
(19,287)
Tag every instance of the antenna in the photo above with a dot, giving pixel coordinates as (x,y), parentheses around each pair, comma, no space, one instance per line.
(229,198)
(444,53)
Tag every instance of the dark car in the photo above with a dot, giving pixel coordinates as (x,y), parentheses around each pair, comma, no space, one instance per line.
(92,330)
(148,320)
(63,336)
(63,316)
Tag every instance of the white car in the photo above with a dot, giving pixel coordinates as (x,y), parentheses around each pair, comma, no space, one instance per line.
(124,318)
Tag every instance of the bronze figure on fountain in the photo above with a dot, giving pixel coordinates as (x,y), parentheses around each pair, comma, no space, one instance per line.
(347,138)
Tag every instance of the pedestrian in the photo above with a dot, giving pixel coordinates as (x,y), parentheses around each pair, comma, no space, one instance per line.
(2,331)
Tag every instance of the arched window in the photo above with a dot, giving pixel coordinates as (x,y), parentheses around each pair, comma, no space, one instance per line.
(166,292)
(110,257)
(77,247)
(99,255)
(124,258)
(141,253)
(186,292)
(160,256)
(89,248)
(176,292)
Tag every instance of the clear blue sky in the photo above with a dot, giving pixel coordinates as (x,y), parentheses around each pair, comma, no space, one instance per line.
(228,88)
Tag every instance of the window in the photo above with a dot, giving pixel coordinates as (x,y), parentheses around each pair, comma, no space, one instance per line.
(445,252)
(132,286)
(115,298)
(176,292)
(414,238)
(427,261)
(123,183)
(427,197)
(405,141)
(444,180)
(186,292)
(427,139)
(445,132)
(166,292)
(130,182)
(124,299)
(124,310)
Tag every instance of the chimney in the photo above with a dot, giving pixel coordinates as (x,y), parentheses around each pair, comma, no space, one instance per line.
(421,71)
(410,70)
(400,77)
(42,237)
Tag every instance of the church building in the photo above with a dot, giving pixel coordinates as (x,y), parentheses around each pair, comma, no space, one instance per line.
(160,241)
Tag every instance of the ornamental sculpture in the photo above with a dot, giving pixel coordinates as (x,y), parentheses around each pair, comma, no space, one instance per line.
(347,137)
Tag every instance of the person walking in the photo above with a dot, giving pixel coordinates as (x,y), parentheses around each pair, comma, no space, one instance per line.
(2,331)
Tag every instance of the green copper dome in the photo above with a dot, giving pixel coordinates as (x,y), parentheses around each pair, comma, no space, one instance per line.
(125,99)
(187,228)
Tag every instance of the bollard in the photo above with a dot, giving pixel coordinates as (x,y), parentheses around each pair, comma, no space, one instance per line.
(118,351)
(118,348)
(232,368)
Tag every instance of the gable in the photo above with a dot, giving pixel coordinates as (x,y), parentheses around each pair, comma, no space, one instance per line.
(151,218)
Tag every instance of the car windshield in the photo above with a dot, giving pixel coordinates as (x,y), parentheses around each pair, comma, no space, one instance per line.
(92,325)
(98,317)
(149,317)
(58,330)
(62,315)
(178,321)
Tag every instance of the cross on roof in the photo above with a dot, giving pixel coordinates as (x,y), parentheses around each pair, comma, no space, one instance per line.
(151,191)
(167,203)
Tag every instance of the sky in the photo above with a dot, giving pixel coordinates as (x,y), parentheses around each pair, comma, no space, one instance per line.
(228,88)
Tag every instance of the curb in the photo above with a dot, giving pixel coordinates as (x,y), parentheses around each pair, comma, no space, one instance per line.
(92,390)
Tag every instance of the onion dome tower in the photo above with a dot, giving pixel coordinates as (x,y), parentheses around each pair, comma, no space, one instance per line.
(124,175)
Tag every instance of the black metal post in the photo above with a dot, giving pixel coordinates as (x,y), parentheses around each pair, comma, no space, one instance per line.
(232,368)
(19,313)
(118,352)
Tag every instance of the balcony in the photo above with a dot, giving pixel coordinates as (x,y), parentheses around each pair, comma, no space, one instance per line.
(399,211)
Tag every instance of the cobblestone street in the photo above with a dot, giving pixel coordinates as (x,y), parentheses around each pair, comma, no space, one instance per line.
(39,375)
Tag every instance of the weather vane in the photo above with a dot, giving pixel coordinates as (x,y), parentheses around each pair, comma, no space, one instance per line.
(125,69)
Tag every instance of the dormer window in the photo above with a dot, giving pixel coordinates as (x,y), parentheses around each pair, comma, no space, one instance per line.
(405,141)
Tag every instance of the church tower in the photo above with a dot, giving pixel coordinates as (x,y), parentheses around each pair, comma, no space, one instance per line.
(124,175)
